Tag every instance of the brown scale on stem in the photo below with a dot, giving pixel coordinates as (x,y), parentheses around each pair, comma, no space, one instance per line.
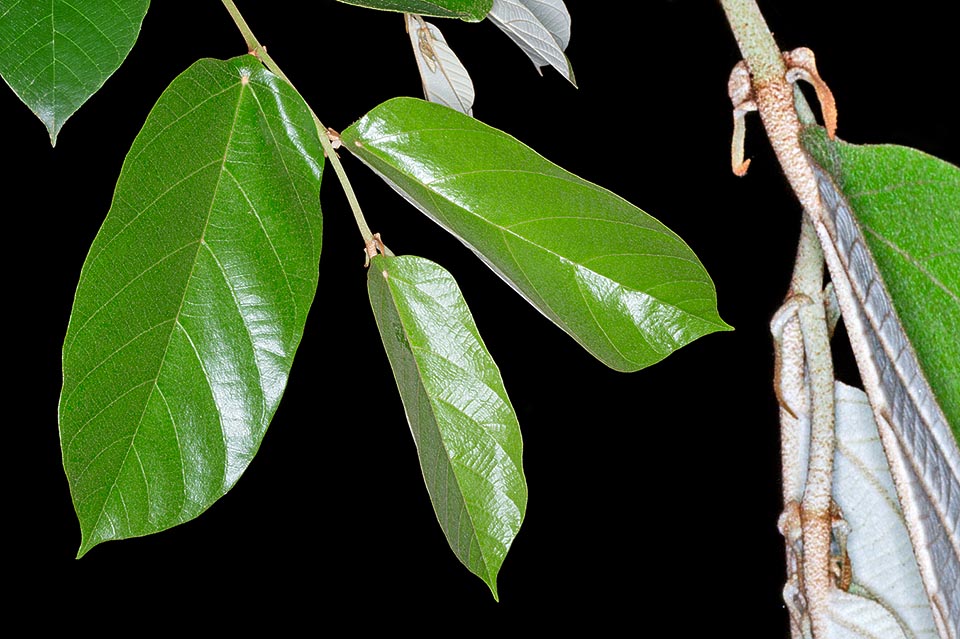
(801,65)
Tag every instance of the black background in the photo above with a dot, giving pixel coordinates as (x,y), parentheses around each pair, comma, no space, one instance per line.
(647,491)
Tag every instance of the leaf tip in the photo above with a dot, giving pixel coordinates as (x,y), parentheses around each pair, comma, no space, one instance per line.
(85,547)
(570,76)
(492,583)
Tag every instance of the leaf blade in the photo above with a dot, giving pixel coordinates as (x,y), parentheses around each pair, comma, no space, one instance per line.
(466,431)
(908,204)
(56,54)
(918,440)
(445,79)
(191,302)
(617,280)
(540,29)
(884,568)
(469,10)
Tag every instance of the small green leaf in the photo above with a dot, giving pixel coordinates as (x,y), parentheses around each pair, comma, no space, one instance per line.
(192,301)
(617,280)
(469,10)
(908,205)
(466,431)
(55,54)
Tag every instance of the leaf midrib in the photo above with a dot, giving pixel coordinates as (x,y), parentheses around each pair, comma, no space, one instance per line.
(384,158)
(443,443)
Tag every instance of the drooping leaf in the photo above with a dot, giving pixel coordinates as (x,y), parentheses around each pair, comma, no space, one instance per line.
(469,10)
(861,189)
(465,429)
(908,205)
(55,54)
(885,577)
(445,80)
(617,280)
(192,301)
(540,28)
(553,15)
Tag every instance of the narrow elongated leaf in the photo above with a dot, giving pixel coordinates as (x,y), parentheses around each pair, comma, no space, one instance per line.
(445,80)
(469,10)
(884,569)
(872,184)
(466,431)
(55,54)
(191,302)
(521,21)
(617,280)
(553,15)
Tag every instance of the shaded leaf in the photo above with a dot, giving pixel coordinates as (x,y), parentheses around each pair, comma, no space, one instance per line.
(465,428)
(55,54)
(884,568)
(523,22)
(553,15)
(617,280)
(191,302)
(469,10)
(445,80)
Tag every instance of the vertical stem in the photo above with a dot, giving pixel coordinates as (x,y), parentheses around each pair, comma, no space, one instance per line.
(774,97)
(756,43)
(248,37)
(254,46)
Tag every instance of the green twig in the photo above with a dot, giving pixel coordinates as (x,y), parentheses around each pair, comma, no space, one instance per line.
(257,49)
(248,37)
(776,100)
(756,43)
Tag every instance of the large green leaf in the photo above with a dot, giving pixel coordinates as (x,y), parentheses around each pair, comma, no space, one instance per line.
(191,302)
(908,205)
(617,280)
(470,10)
(55,54)
(466,431)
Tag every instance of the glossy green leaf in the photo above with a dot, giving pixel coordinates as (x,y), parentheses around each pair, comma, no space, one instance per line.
(470,10)
(908,205)
(55,54)
(466,431)
(617,280)
(191,302)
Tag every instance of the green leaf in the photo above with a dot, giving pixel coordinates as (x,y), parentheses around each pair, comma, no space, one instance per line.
(617,280)
(469,10)
(191,302)
(55,54)
(466,431)
(908,205)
